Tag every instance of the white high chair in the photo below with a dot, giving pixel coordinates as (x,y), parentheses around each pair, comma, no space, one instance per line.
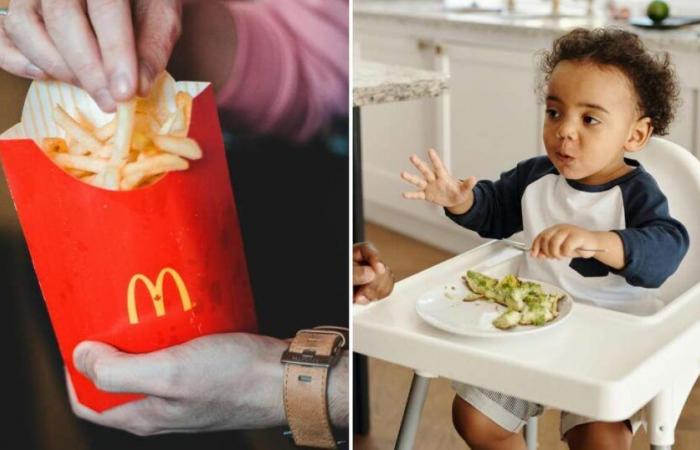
(600,363)
(677,172)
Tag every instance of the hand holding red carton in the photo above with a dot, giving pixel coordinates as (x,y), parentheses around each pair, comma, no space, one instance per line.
(125,252)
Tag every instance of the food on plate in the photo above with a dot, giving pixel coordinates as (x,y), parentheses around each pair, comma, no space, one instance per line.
(526,302)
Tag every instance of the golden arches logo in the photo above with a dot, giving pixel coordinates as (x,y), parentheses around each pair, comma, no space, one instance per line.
(156,292)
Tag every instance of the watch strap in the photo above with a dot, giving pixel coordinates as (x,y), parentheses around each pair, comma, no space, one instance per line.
(310,355)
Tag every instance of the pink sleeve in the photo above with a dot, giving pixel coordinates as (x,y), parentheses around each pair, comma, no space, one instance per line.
(290,76)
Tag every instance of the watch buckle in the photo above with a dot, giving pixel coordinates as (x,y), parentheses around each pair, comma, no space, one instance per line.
(309,357)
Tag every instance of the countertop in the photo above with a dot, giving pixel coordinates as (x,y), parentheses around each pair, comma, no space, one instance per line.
(375,83)
(519,23)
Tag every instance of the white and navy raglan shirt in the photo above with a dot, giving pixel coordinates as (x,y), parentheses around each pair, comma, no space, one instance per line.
(534,196)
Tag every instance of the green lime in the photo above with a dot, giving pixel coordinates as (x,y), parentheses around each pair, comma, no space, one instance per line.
(657,11)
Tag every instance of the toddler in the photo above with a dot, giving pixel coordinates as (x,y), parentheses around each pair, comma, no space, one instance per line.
(605,96)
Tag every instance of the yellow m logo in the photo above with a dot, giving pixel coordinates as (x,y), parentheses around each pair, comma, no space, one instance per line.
(156,291)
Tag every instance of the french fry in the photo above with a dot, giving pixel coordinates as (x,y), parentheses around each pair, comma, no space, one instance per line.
(87,178)
(146,123)
(125,130)
(177,123)
(168,124)
(183,100)
(84,121)
(98,180)
(147,181)
(135,172)
(181,146)
(130,182)
(141,143)
(86,163)
(155,165)
(105,152)
(110,177)
(79,173)
(74,129)
(76,148)
(54,145)
(107,130)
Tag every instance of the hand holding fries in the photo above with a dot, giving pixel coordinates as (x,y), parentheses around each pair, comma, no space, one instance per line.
(111,49)
(139,145)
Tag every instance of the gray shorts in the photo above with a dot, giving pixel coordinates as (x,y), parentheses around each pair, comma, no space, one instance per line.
(511,413)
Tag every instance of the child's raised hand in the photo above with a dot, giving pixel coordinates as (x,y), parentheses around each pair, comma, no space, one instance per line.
(564,241)
(437,186)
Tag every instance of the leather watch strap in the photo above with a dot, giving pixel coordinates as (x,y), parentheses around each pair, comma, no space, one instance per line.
(308,360)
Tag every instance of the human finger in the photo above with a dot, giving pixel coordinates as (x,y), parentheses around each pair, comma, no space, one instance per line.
(360,299)
(158,27)
(112,22)
(380,288)
(13,61)
(146,417)
(555,243)
(418,195)
(468,184)
(427,173)
(362,274)
(535,247)
(414,180)
(70,29)
(542,240)
(370,255)
(114,371)
(440,169)
(25,27)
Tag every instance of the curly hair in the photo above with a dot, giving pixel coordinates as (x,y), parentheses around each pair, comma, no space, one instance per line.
(653,76)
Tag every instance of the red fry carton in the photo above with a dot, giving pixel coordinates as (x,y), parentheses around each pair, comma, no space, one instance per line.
(140,270)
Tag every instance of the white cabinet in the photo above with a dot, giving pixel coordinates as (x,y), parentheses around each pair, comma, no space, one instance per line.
(392,132)
(496,120)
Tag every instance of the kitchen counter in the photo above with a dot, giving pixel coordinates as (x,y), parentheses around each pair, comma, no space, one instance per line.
(519,23)
(375,83)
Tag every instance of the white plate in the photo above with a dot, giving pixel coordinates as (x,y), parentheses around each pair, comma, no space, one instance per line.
(474,318)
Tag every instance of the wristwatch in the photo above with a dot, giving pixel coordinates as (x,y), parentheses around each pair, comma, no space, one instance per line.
(307,362)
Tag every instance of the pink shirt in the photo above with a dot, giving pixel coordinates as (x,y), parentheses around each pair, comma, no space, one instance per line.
(290,76)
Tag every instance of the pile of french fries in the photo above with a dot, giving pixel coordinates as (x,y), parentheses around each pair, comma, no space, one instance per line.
(134,149)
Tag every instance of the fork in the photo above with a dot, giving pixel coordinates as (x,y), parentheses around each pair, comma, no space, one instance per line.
(525,248)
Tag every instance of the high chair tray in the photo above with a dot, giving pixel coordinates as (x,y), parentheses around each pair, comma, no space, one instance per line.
(599,363)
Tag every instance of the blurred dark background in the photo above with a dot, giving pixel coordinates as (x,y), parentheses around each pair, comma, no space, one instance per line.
(293,207)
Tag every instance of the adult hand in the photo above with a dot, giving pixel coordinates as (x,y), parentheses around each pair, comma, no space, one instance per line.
(365,263)
(103,46)
(217,382)
(371,278)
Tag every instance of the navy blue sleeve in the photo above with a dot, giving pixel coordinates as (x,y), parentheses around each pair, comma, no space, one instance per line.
(654,242)
(496,212)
